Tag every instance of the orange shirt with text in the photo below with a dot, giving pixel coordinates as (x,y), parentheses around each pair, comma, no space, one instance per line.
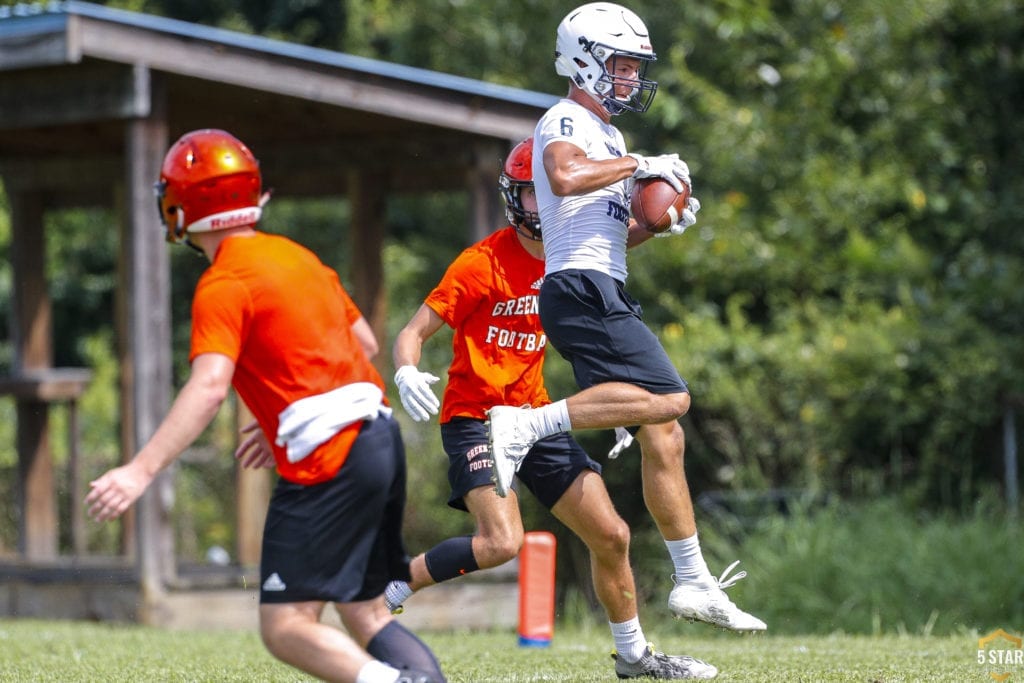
(488,296)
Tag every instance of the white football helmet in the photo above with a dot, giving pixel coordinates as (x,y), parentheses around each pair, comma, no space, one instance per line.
(595,33)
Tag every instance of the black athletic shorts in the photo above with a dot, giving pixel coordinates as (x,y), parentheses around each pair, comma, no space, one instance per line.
(340,540)
(598,327)
(548,470)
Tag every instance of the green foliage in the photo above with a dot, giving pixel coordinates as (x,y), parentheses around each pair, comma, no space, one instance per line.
(843,312)
(82,247)
(99,424)
(874,568)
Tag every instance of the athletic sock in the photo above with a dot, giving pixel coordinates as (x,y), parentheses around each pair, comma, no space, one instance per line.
(450,558)
(377,672)
(629,639)
(688,560)
(402,649)
(550,419)
(396,593)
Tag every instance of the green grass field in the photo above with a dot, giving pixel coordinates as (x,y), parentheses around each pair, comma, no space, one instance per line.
(71,652)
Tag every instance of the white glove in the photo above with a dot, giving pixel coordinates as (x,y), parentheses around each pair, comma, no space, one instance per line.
(667,166)
(414,390)
(624,441)
(688,218)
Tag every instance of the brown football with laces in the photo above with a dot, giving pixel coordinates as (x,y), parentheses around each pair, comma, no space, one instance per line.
(656,205)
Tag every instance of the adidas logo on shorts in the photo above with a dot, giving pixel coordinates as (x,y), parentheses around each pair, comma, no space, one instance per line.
(274,583)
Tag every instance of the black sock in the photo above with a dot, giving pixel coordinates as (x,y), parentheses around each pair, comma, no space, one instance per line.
(450,558)
(398,646)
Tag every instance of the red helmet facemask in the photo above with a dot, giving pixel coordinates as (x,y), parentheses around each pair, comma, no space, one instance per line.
(517,175)
(209,181)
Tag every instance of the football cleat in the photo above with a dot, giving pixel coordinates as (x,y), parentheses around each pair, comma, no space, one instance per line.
(510,439)
(707,602)
(656,664)
(395,594)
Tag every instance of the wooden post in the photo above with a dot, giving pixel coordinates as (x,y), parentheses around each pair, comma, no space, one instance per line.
(486,212)
(126,370)
(368,202)
(37,503)
(252,498)
(75,488)
(147,328)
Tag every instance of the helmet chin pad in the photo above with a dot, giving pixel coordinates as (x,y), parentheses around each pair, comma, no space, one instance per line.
(226,219)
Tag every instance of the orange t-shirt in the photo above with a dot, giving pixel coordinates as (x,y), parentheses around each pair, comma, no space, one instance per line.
(283,317)
(488,297)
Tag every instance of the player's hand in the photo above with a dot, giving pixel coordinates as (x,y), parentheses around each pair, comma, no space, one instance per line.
(688,218)
(624,440)
(667,166)
(414,390)
(255,451)
(115,491)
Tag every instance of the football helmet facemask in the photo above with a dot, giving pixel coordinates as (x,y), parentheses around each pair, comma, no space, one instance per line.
(209,181)
(589,41)
(516,176)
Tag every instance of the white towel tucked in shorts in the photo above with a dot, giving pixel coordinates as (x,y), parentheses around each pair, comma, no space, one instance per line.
(311,421)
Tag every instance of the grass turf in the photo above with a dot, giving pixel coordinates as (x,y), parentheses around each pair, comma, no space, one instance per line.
(72,652)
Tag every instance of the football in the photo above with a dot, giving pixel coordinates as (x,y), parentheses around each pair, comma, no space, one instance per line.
(656,205)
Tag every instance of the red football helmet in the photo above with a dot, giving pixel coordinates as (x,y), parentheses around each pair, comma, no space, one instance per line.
(518,174)
(209,181)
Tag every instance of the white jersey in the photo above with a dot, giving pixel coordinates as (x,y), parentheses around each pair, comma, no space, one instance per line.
(587,231)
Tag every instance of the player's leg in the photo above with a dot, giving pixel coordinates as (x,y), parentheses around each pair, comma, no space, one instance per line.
(568,482)
(625,376)
(386,640)
(292,632)
(609,345)
(289,622)
(587,511)
(666,492)
(346,562)
(697,594)
(499,528)
(498,538)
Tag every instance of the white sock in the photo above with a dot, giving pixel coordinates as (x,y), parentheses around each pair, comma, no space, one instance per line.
(688,560)
(377,672)
(629,639)
(550,419)
(396,593)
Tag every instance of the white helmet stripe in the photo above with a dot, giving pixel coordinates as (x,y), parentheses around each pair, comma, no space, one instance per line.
(227,219)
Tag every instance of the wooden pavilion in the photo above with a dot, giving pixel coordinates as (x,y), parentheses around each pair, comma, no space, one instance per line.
(90,99)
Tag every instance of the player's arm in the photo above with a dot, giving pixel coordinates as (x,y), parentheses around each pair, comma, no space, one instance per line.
(571,172)
(414,386)
(193,409)
(409,343)
(637,234)
(365,336)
